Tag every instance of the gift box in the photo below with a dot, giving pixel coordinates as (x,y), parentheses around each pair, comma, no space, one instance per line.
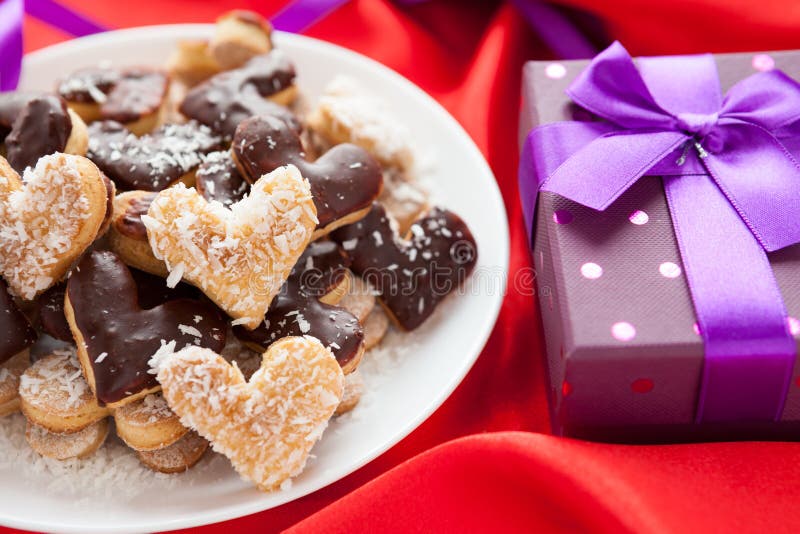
(661,196)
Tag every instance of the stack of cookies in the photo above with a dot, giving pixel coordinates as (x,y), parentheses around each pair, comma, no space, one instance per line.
(214,254)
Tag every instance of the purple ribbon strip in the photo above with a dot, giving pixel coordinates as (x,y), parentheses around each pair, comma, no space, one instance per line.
(53,13)
(10,43)
(555,30)
(300,14)
(733,191)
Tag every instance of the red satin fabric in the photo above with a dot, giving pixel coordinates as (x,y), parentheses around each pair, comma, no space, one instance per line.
(468,55)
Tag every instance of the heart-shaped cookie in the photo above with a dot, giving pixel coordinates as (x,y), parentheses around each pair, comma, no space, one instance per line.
(344,181)
(135,96)
(152,161)
(412,274)
(116,337)
(266,426)
(262,86)
(306,305)
(238,257)
(47,222)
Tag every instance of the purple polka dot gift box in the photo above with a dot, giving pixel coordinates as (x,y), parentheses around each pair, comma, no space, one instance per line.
(662,197)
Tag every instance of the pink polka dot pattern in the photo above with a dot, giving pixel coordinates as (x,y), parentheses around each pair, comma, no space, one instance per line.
(592,271)
(562,216)
(669,270)
(555,71)
(623,331)
(763,62)
(642,385)
(794,326)
(639,217)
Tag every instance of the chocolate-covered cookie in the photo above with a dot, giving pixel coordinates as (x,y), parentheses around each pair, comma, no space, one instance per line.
(258,88)
(344,181)
(116,337)
(153,161)
(16,333)
(415,274)
(152,291)
(133,96)
(33,125)
(297,309)
(219,179)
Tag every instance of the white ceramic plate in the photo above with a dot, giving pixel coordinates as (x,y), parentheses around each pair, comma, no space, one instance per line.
(404,385)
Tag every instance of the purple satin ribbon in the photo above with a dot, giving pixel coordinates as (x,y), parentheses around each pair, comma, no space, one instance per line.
(10,43)
(733,191)
(300,14)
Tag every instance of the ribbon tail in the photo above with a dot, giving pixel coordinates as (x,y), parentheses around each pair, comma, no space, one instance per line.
(10,44)
(760,178)
(601,171)
(300,14)
(749,353)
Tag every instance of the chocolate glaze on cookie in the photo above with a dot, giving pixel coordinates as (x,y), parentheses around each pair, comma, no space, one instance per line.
(16,333)
(344,180)
(130,223)
(152,291)
(120,336)
(412,276)
(228,98)
(297,311)
(32,125)
(50,306)
(219,179)
(123,95)
(151,162)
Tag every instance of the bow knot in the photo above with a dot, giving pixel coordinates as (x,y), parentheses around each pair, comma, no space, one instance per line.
(697,124)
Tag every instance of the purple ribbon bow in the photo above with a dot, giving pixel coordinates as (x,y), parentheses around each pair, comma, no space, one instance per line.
(733,191)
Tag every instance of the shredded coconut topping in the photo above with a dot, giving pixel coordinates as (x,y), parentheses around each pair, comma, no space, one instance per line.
(240,256)
(40,223)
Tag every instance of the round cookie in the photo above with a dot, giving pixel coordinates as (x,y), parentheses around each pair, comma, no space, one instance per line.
(177,457)
(33,125)
(10,372)
(67,446)
(375,327)
(360,300)
(148,424)
(353,389)
(192,63)
(238,36)
(54,395)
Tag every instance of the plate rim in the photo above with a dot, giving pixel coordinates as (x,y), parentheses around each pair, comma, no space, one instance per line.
(205,517)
